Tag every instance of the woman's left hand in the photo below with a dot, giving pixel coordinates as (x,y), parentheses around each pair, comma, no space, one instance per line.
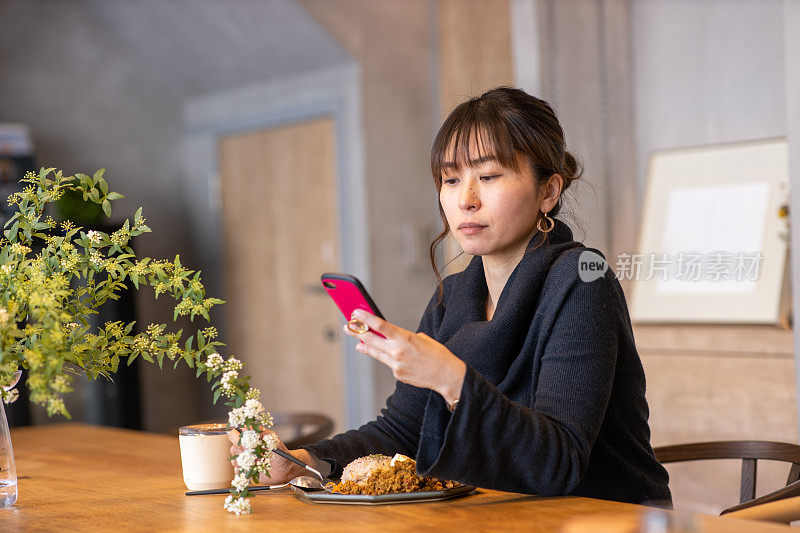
(415,358)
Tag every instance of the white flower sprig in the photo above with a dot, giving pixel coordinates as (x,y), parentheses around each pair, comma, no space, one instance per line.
(250,419)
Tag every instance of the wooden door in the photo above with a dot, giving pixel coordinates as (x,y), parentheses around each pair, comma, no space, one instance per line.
(281,234)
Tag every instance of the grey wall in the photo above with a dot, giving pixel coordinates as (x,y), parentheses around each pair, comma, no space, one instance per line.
(706,72)
(91,103)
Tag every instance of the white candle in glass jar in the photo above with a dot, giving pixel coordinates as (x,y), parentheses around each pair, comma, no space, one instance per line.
(205,452)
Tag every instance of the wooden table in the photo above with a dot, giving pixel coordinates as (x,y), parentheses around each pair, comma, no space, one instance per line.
(77,477)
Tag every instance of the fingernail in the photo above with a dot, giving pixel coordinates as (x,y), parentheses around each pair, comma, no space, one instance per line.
(358,313)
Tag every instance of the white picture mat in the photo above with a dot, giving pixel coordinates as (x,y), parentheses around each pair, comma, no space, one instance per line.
(706,200)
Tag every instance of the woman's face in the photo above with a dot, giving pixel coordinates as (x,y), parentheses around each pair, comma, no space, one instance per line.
(492,210)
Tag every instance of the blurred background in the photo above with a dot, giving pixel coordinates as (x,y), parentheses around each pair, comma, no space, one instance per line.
(270,141)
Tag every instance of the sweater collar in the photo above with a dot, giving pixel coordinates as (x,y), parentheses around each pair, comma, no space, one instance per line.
(535,252)
(525,280)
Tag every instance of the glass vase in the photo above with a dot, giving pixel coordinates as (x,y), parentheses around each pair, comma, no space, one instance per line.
(8,469)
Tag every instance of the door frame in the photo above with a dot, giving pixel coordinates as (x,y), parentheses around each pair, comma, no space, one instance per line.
(333,92)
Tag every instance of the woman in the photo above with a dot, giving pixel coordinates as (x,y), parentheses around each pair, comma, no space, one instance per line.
(523,375)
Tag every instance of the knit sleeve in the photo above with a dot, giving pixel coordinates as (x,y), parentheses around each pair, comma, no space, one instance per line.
(541,447)
(396,429)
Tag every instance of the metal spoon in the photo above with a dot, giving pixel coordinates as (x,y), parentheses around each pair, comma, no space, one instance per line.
(308,482)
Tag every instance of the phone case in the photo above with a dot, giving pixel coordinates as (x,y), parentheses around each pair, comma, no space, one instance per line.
(349,294)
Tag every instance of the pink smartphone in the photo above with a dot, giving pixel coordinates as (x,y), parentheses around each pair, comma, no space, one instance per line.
(349,294)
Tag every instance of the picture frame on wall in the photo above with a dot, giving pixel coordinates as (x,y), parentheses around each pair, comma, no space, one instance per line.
(713,244)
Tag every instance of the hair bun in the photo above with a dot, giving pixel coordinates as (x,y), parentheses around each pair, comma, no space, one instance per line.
(572,169)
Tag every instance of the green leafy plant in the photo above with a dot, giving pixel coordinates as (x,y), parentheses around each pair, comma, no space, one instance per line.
(72,206)
(48,295)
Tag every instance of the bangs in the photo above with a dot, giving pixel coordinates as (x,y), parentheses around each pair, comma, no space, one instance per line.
(470,123)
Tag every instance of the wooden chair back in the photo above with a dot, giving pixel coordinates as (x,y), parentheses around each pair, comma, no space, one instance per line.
(750,452)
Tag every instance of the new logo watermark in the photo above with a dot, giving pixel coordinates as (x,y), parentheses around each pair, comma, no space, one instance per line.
(715,266)
(718,265)
(591,266)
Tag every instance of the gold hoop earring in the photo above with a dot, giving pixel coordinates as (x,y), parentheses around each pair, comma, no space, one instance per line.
(547,220)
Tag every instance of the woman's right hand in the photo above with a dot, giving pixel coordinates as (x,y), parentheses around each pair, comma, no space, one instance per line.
(281,470)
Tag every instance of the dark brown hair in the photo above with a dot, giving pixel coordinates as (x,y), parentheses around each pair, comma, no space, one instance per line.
(504,121)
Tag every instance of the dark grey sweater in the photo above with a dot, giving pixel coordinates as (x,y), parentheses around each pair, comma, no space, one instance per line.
(553,401)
